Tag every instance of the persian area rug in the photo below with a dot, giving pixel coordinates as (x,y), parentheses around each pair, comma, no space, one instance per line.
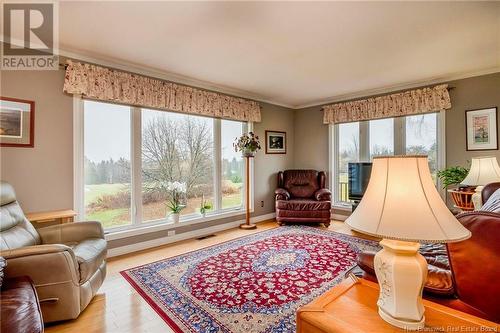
(251,284)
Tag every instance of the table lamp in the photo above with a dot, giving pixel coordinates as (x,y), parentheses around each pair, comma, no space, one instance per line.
(402,206)
(483,170)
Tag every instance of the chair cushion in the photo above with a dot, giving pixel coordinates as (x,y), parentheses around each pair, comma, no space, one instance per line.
(19,306)
(302,204)
(89,254)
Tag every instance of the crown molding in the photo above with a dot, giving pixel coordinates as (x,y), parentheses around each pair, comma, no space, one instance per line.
(163,75)
(186,80)
(398,87)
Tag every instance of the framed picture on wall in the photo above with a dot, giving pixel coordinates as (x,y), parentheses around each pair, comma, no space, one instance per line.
(481,126)
(17,122)
(275,142)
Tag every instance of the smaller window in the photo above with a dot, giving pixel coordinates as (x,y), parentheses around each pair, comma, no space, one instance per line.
(348,151)
(381,137)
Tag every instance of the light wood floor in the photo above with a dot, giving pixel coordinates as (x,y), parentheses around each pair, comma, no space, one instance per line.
(119,308)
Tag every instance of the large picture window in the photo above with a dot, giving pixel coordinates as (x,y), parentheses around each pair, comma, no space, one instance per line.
(362,141)
(130,154)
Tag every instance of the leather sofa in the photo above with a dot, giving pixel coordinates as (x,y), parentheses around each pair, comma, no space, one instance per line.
(19,307)
(301,196)
(462,275)
(67,262)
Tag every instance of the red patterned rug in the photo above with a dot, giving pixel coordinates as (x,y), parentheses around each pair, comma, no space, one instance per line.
(251,284)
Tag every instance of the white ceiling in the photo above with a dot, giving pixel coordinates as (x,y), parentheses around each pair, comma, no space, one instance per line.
(295,53)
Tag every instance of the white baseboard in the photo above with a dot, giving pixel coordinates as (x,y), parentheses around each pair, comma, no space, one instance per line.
(118,251)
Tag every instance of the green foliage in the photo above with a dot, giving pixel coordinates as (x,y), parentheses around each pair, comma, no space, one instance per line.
(247,142)
(236,179)
(452,175)
(205,205)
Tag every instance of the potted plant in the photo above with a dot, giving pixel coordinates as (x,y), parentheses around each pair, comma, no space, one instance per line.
(174,204)
(247,144)
(452,175)
(204,206)
(462,195)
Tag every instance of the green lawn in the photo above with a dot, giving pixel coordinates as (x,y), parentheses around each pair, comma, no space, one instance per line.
(113,217)
(93,192)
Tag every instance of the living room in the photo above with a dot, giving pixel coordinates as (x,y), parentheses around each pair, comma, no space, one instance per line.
(249,166)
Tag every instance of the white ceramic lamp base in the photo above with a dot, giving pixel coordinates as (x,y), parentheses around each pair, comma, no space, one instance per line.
(401,272)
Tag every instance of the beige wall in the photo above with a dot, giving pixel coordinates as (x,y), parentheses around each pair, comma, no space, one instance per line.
(311,139)
(43,175)
(468,94)
(311,136)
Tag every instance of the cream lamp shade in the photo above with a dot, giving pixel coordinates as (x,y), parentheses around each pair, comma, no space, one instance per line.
(483,170)
(401,202)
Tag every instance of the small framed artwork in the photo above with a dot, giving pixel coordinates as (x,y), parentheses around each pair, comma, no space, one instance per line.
(481,126)
(17,122)
(275,142)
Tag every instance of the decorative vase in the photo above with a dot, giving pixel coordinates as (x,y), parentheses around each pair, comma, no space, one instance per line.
(174,217)
(204,214)
(248,153)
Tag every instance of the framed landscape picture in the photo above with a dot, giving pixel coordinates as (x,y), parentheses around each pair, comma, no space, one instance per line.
(17,122)
(481,126)
(275,142)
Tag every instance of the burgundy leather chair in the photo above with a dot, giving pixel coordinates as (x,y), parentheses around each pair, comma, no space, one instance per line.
(301,196)
(463,275)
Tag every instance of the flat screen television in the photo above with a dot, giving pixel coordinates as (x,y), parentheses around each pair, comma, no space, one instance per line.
(359,175)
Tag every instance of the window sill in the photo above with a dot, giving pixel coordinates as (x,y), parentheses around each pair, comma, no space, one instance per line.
(342,206)
(165,224)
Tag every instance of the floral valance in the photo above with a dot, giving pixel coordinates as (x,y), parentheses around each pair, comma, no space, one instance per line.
(107,84)
(395,105)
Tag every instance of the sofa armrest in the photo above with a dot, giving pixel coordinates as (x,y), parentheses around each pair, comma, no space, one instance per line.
(71,232)
(44,264)
(281,194)
(34,250)
(323,195)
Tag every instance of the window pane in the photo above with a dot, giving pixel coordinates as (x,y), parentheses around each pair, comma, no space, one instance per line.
(175,148)
(348,152)
(381,137)
(421,138)
(233,166)
(107,163)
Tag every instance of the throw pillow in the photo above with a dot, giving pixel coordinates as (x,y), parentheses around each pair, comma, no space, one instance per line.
(493,203)
(3,263)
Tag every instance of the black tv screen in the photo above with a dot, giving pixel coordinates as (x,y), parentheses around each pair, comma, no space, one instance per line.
(359,175)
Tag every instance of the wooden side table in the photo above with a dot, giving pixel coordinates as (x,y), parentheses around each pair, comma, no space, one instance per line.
(462,200)
(351,307)
(51,217)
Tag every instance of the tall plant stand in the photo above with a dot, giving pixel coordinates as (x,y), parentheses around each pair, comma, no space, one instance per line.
(247,224)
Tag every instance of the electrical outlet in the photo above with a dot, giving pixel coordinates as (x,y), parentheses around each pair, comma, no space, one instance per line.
(262,203)
(171,233)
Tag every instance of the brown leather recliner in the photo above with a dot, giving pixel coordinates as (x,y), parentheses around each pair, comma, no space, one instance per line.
(463,275)
(67,262)
(301,196)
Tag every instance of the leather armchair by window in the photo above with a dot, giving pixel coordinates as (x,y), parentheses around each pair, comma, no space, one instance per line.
(301,196)
(67,263)
(463,275)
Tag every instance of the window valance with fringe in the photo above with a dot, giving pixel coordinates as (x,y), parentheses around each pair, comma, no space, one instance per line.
(107,84)
(431,99)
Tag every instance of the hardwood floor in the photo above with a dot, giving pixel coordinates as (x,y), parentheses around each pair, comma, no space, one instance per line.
(118,307)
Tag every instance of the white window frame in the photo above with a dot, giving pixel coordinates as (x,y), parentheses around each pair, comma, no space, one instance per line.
(137,226)
(364,150)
